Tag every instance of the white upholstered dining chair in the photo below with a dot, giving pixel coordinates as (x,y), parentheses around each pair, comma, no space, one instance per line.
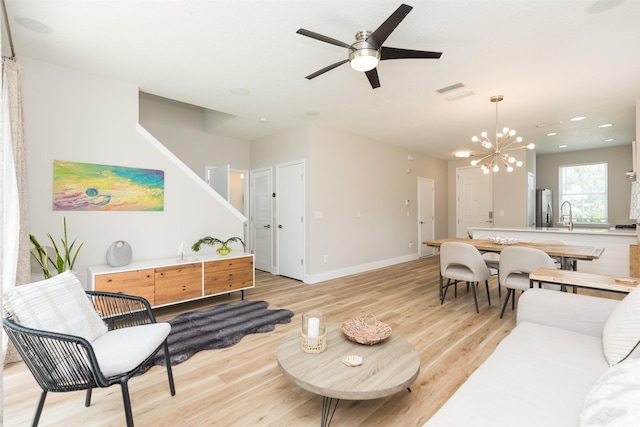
(515,265)
(462,262)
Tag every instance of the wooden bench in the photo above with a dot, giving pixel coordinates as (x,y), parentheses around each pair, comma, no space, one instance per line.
(621,285)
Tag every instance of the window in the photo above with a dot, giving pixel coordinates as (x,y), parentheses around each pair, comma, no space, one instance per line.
(585,187)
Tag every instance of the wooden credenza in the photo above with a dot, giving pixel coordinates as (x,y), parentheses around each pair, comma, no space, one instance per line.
(170,281)
(634,260)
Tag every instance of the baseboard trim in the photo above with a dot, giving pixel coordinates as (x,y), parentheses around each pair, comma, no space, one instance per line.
(335,274)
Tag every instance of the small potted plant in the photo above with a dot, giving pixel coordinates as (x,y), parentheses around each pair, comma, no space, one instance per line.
(212,241)
(64,256)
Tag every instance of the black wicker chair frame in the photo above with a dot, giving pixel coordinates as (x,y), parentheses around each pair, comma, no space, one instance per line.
(61,362)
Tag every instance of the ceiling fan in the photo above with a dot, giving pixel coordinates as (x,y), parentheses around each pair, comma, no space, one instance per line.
(367,50)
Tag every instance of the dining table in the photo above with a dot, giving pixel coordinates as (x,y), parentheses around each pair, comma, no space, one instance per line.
(567,255)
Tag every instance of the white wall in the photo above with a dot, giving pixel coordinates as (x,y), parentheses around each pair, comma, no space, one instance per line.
(347,175)
(181,128)
(78,117)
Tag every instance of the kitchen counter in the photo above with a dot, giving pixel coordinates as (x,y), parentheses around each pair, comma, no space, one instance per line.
(614,261)
(561,230)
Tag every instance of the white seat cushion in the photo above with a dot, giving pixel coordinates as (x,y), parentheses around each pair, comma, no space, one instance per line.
(537,376)
(122,350)
(58,304)
(459,272)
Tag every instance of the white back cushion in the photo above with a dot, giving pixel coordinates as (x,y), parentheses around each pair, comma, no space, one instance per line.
(621,333)
(58,304)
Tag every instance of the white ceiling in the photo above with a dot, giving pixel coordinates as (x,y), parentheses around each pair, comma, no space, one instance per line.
(551,59)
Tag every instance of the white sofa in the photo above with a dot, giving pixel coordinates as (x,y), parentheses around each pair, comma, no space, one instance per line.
(570,361)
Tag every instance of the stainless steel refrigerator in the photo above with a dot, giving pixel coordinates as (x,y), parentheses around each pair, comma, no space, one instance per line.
(544,208)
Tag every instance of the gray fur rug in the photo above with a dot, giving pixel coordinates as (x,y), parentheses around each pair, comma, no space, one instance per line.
(219,327)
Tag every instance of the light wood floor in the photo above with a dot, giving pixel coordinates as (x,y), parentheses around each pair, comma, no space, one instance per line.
(243,385)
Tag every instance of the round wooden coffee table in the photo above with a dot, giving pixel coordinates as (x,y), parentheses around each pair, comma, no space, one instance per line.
(387,368)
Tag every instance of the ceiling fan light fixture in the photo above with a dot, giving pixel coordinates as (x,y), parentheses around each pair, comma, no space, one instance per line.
(363,56)
(364,59)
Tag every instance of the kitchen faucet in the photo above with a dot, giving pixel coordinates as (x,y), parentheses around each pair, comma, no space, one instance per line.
(562,216)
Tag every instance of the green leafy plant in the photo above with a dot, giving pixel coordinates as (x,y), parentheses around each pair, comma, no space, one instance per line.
(212,241)
(64,256)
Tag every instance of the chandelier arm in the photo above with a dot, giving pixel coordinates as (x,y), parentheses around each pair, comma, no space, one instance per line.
(485,157)
(506,147)
(524,147)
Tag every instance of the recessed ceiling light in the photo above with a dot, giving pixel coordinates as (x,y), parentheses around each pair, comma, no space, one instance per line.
(462,154)
(609,140)
(552,133)
(33,25)
(312,113)
(563,146)
(577,119)
(606,125)
(264,120)
(240,91)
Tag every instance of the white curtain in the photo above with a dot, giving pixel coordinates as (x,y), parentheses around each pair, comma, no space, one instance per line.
(14,234)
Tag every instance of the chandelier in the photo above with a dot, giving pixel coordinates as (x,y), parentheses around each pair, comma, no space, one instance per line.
(498,155)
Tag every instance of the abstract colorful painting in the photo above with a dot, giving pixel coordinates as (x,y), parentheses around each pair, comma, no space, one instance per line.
(92,187)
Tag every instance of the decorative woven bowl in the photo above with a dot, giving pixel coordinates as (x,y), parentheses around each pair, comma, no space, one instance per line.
(366,330)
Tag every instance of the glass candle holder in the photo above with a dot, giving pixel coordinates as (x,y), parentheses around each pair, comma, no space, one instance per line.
(313,338)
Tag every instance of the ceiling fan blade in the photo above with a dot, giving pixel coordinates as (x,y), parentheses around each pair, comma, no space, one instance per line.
(322,38)
(372,75)
(383,31)
(395,53)
(325,69)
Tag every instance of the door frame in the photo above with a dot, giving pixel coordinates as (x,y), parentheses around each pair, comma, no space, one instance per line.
(421,239)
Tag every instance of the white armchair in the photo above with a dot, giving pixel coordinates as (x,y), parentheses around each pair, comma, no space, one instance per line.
(76,340)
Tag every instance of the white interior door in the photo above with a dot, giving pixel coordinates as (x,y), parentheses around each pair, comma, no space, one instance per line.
(426,215)
(218,178)
(290,205)
(474,191)
(261,218)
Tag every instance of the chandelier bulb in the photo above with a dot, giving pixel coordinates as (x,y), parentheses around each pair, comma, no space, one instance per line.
(531,146)
(485,171)
(475,139)
(512,159)
(483,134)
(474,162)
(519,139)
(513,132)
(518,163)
(496,168)
(505,131)
(487,144)
(509,169)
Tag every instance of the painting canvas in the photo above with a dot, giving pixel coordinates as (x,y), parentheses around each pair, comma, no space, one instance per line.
(93,187)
